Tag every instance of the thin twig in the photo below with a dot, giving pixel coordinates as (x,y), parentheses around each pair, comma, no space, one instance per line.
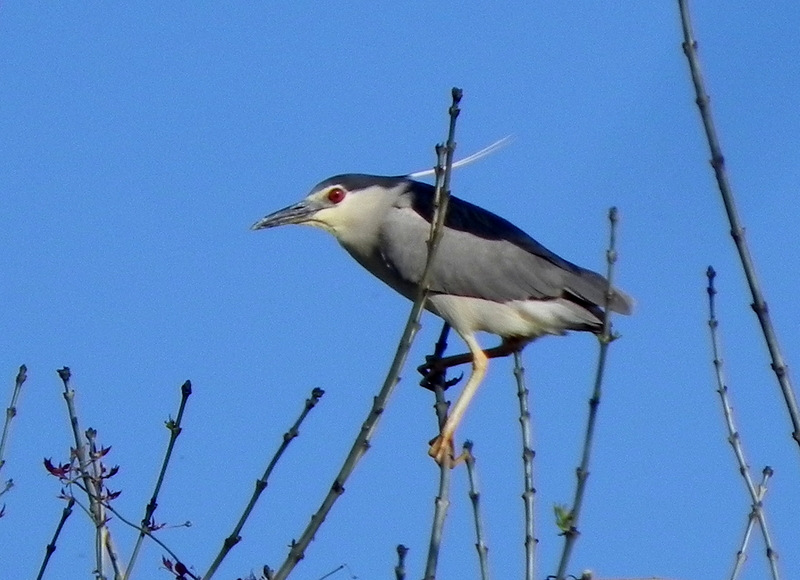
(400,569)
(528,454)
(11,412)
(51,547)
(332,572)
(588,575)
(362,441)
(98,512)
(131,524)
(443,171)
(437,383)
(741,555)
(475,498)
(442,501)
(7,486)
(444,162)
(604,339)
(261,484)
(174,431)
(150,535)
(759,305)
(84,464)
(113,556)
(733,434)
(104,543)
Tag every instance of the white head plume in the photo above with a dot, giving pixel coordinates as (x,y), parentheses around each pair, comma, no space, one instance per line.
(497,145)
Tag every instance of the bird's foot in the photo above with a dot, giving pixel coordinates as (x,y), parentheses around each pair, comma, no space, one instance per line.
(442,450)
(433,373)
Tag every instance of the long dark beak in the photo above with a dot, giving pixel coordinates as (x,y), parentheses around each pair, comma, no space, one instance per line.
(298,213)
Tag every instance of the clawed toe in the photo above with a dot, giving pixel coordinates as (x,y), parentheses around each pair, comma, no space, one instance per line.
(432,376)
(442,450)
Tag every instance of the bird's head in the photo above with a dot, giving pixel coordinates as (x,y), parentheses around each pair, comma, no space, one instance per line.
(341,205)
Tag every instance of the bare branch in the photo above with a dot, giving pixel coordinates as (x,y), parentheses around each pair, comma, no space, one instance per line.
(261,484)
(442,501)
(104,542)
(604,339)
(11,412)
(735,439)
(51,547)
(759,305)
(129,523)
(400,569)
(528,454)
(334,571)
(362,441)
(444,166)
(84,469)
(174,431)
(475,498)
(741,555)
(7,486)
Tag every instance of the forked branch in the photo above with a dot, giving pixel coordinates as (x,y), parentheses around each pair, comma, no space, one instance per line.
(756,494)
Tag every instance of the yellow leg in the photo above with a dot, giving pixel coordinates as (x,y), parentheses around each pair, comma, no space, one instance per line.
(443,444)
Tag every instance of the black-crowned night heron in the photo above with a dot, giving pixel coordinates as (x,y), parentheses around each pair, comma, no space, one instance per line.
(488,275)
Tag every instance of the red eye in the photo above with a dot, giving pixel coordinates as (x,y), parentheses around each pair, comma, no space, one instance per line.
(336,195)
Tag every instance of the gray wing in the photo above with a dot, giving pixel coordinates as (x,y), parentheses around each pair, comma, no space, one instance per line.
(481,255)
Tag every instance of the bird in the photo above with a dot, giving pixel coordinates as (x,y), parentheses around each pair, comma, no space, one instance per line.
(487,275)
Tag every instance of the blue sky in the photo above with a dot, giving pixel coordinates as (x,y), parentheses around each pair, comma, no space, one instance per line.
(140,141)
